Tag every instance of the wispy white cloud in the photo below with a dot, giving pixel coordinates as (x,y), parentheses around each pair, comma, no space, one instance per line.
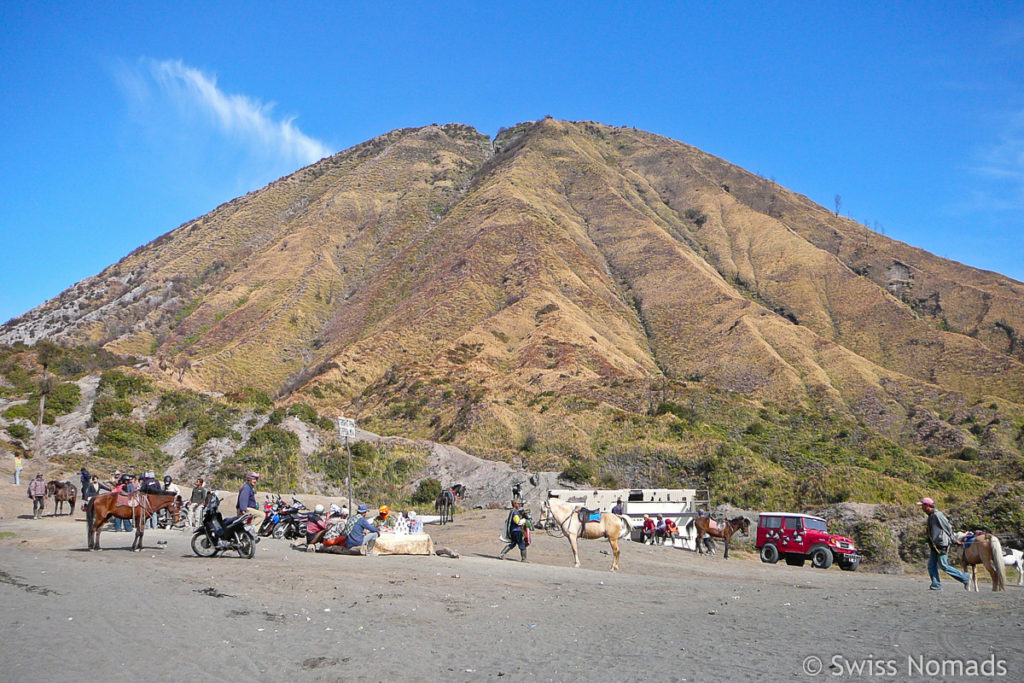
(1000,167)
(244,120)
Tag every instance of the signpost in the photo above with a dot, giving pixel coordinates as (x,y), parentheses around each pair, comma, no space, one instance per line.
(347,428)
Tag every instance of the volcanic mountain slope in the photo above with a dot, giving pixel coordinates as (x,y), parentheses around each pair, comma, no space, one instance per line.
(444,284)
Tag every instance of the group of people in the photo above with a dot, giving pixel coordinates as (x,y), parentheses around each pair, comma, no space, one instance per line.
(336,529)
(659,530)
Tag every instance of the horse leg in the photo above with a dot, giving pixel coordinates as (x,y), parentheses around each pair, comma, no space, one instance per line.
(614,540)
(726,538)
(140,525)
(573,542)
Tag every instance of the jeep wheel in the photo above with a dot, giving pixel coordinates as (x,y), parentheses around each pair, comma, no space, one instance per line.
(769,553)
(821,557)
(795,561)
(850,566)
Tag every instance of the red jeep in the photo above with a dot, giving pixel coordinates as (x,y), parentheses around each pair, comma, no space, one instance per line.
(797,538)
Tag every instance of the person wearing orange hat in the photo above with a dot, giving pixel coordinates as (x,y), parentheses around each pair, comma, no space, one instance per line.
(940,537)
(383,518)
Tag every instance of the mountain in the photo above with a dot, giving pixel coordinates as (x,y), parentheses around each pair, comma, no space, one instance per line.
(577,295)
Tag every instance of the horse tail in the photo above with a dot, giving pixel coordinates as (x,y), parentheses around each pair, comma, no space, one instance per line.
(627,526)
(997,559)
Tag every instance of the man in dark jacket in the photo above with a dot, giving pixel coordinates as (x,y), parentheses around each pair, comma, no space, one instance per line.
(93,488)
(247,500)
(940,536)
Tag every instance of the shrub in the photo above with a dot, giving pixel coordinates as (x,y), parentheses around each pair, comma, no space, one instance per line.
(18,431)
(578,472)
(427,492)
(682,412)
(122,385)
(108,406)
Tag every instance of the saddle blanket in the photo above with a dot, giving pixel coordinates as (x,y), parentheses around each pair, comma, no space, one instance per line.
(713,525)
(589,515)
(128,499)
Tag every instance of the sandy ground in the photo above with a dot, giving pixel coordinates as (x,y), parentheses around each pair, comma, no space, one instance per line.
(667,615)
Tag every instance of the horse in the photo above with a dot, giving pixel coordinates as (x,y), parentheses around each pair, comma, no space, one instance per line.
(1015,558)
(725,531)
(101,508)
(445,502)
(62,492)
(613,527)
(983,548)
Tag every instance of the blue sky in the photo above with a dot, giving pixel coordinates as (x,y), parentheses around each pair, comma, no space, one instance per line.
(120,121)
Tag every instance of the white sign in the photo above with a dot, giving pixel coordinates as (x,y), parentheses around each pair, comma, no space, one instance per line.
(346,427)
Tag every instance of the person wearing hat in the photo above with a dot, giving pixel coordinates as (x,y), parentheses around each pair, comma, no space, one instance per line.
(37,494)
(362,533)
(315,526)
(247,500)
(383,518)
(940,537)
(515,530)
(415,523)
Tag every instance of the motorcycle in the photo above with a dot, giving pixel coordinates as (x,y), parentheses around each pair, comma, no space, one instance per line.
(220,535)
(272,509)
(292,523)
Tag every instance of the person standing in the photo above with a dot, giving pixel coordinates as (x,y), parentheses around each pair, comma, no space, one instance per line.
(940,537)
(37,494)
(196,503)
(617,508)
(93,488)
(247,500)
(515,528)
(17,469)
(362,533)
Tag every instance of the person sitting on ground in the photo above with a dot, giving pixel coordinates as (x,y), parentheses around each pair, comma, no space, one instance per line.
(384,519)
(315,526)
(362,533)
(648,530)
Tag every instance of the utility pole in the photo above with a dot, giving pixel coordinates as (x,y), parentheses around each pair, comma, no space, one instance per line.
(347,428)
(43,391)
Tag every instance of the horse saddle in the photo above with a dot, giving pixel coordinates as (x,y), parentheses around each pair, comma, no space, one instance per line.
(131,500)
(713,525)
(589,515)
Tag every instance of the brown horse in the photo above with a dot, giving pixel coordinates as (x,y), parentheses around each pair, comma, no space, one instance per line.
(725,531)
(612,527)
(101,508)
(62,492)
(984,549)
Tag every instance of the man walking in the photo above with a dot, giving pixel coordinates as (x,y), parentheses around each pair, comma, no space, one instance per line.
(940,536)
(37,494)
(515,527)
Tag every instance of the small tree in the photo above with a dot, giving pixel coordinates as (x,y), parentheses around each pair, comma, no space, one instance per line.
(839,202)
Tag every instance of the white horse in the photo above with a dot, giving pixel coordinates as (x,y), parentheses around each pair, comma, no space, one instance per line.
(1015,558)
(613,527)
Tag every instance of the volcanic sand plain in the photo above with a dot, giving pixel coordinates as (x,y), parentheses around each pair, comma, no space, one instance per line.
(668,614)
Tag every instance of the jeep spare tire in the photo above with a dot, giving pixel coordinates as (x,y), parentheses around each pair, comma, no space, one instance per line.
(769,553)
(821,557)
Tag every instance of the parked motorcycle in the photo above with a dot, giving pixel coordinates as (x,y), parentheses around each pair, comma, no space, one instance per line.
(220,535)
(292,523)
(272,509)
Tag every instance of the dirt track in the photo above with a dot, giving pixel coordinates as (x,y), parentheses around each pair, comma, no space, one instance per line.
(290,614)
